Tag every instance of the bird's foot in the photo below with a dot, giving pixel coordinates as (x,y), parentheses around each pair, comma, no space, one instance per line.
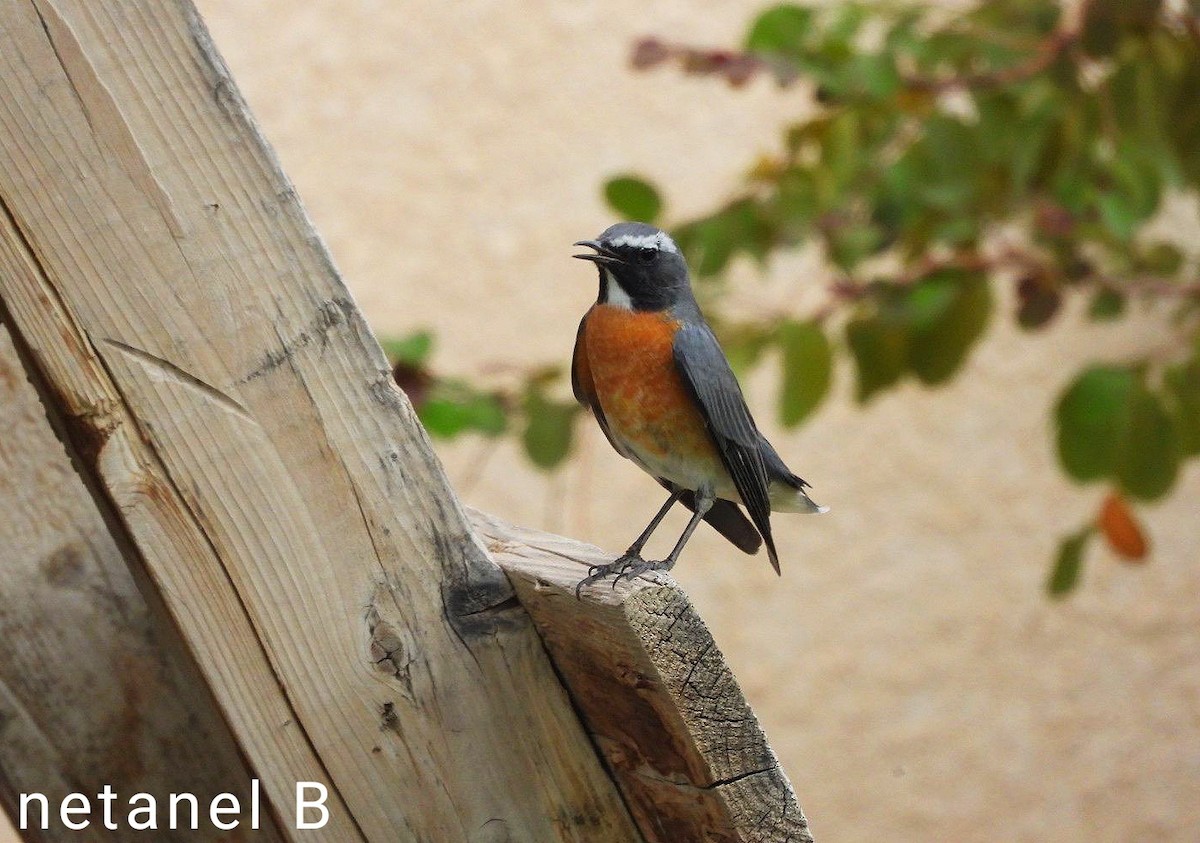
(627,565)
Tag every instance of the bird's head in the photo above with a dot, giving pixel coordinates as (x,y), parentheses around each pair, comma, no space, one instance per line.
(640,266)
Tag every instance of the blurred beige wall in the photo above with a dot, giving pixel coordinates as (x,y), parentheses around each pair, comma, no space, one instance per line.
(915,681)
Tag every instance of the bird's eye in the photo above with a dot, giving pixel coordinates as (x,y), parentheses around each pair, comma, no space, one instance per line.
(646,255)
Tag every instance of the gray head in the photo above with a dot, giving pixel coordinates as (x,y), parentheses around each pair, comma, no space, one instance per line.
(640,267)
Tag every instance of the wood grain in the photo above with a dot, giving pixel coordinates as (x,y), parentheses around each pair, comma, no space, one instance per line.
(655,693)
(94,690)
(216,381)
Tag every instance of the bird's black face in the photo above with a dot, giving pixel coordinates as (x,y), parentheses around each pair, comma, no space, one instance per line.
(640,267)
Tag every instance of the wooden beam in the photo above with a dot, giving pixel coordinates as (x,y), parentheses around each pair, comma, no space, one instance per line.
(236,416)
(655,693)
(94,690)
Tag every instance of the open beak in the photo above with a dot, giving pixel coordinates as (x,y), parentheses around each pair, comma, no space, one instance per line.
(603,254)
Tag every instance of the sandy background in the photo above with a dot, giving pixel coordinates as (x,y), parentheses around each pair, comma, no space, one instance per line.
(914,680)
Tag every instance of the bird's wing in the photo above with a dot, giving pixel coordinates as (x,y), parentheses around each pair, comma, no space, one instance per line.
(585,389)
(581,375)
(706,372)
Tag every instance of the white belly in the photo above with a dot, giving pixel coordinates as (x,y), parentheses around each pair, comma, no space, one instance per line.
(690,474)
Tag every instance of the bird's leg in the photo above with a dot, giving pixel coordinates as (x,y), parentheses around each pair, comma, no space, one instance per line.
(704,502)
(635,549)
(634,553)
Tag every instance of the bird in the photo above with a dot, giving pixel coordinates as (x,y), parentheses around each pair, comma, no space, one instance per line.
(651,371)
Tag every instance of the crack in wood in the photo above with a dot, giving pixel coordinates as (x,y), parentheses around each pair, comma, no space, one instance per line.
(504,605)
(175,373)
(774,768)
(651,775)
(85,423)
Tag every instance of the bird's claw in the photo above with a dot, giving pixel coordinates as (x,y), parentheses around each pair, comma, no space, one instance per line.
(633,570)
(627,565)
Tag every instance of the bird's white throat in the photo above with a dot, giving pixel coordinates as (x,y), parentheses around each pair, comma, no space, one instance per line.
(614,293)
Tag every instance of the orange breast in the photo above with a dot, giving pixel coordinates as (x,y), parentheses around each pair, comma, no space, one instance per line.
(631,365)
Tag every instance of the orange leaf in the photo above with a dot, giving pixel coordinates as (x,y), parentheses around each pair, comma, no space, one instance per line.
(1122,531)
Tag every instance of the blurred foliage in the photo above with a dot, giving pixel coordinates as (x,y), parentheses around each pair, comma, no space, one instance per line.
(549,425)
(633,199)
(945,155)
(1069,562)
(808,369)
(446,406)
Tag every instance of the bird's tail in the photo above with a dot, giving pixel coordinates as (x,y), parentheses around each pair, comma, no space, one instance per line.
(786,489)
(786,497)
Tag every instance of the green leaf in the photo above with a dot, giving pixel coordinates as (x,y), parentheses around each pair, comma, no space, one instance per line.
(1183,385)
(948,312)
(453,408)
(1111,425)
(953,166)
(876,74)
(1137,99)
(1161,258)
(1107,304)
(1031,138)
(795,204)
(633,198)
(897,205)
(1149,461)
(743,346)
(549,426)
(1134,194)
(411,350)
(850,244)
(1067,566)
(841,153)
(904,34)
(807,370)
(879,350)
(1033,16)
(1092,417)
(710,243)
(929,301)
(846,23)
(1119,215)
(869,76)
(706,244)
(780,30)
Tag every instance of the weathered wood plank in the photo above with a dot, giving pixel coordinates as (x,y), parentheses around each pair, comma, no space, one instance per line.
(135,486)
(93,691)
(655,693)
(238,417)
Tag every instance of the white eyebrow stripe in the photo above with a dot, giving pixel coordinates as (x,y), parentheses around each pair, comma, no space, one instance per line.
(647,241)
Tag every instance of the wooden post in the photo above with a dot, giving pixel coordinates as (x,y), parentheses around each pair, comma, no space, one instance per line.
(655,693)
(235,423)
